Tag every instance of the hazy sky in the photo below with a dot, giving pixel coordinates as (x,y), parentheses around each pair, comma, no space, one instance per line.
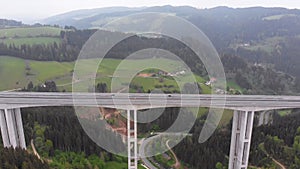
(28,10)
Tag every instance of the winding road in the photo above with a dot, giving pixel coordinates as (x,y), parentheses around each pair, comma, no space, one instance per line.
(177,163)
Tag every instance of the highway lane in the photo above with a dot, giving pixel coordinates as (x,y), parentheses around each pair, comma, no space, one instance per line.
(144,101)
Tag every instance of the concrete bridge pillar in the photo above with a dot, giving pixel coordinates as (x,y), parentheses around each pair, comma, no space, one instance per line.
(12,128)
(242,125)
(265,118)
(261,118)
(132,139)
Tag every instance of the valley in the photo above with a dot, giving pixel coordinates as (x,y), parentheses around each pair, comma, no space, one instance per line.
(258,47)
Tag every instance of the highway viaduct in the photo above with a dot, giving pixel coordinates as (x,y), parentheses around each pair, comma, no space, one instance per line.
(244,107)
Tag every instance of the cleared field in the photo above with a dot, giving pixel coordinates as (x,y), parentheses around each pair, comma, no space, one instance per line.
(277,17)
(29,32)
(114,165)
(49,70)
(268,45)
(17,73)
(132,67)
(284,112)
(12,73)
(232,84)
(30,41)
(227,116)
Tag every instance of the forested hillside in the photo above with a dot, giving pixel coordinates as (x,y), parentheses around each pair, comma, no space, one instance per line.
(263,35)
(58,129)
(5,23)
(17,158)
(278,140)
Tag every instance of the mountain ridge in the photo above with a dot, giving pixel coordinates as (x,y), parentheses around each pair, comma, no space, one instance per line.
(78,18)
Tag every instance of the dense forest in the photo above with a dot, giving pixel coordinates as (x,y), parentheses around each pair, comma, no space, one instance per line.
(68,50)
(17,158)
(59,129)
(258,79)
(284,56)
(279,140)
(4,23)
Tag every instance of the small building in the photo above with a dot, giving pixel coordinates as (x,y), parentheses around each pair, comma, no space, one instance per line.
(211,81)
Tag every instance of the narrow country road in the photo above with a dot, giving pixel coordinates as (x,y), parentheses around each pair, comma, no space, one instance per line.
(278,163)
(177,164)
(34,150)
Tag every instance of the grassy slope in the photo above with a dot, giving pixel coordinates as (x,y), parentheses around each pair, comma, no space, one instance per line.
(13,70)
(129,67)
(29,31)
(30,35)
(30,41)
(284,112)
(234,85)
(268,45)
(277,17)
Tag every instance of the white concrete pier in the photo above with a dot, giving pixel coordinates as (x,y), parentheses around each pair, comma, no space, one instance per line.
(242,126)
(12,128)
(132,139)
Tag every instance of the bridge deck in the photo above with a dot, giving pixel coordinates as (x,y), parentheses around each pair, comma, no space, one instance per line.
(140,100)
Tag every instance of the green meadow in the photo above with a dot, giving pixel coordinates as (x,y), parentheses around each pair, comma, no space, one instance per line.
(29,32)
(30,41)
(17,73)
(30,35)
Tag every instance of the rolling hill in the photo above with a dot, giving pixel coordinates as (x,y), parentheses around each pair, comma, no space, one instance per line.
(251,33)
(16,73)
(30,35)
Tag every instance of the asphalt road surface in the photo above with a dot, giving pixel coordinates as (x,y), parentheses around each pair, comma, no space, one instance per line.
(144,101)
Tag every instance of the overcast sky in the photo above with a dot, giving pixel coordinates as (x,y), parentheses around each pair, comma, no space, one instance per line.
(28,10)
